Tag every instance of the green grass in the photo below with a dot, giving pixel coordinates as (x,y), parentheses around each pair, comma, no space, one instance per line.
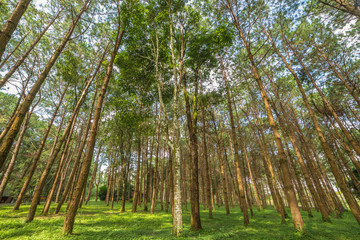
(96,221)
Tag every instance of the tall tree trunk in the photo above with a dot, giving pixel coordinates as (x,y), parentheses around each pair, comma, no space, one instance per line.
(74,202)
(15,153)
(177,210)
(4,61)
(49,164)
(93,176)
(212,192)
(39,152)
(76,161)
(63,176)
(58,146)
(60,166)
(269,172)
(24,107)
(222,167)
(245,154)
(349,137)
(137,177)
(123,193)
(236,149)
(206,163)
(194,179)
(125,173)
(162,183)
(289,190)
(148,174)
(337,174)
(290,133)
(113,179)
(155,182)
(97,184)
(11,24)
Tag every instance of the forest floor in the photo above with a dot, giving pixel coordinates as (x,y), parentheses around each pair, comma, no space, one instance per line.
(96,221)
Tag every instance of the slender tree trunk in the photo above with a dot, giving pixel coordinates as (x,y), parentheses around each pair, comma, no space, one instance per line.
(82,146)
(76,162)
(15,153)
(211,184)
(162,183)
(63,176)
(194,180)
(289,190)
(26,54)
(49,164)
(97,184)
(39,152)
(245,154)
(222,167)
(337,174)
(74,202)
(175,180)
(62,162)
(236,150)
(349,137)
(290,133)
(137,177)
(142,176)
(155,182)
(113,179)
(269,172)
(4,61)
(206,163)
(24,107)
(123,194)
(108,186)
(11,24)
(93,176)
(148,173)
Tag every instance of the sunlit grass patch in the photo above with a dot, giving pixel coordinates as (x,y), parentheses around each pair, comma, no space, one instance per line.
(97,221)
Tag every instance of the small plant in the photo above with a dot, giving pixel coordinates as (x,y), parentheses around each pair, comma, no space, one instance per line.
(102,192)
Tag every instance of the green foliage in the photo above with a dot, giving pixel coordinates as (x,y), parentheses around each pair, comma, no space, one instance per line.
(8,103)
(102,192)
(352,185)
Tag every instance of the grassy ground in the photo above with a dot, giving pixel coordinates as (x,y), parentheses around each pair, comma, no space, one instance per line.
(96,221)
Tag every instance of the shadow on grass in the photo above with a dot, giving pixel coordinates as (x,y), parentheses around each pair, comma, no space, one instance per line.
(96,221)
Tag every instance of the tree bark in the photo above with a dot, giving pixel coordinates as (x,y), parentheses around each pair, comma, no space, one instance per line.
(39,152)
(206,163)
(74,202)
(15,153)
(289,190)
(236,149)
(58,146)
(60,166)
(93,176)
(337,174)
(137,177)
(24,107)
(11,24)
(222,167)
